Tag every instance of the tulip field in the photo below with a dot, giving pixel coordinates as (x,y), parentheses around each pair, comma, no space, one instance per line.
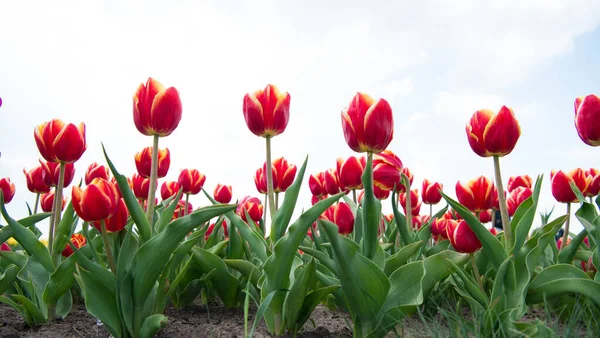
(127,252)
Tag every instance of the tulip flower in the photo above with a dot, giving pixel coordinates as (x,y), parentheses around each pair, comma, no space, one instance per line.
(267,111)
(431,193)
(143,162)
(51,173)
(222,193)
(380,194)
(59,142)
(211,228)
(283,174)
(485,216)
(415,203)
(438,228)
(419,220)
(519,181)
(260,181)
(476,195)
(492,134)
(169,189)
(386,170)
(368,125)
(516,198)
(191,181)
(97,201)
(116,222)
(593,188)
(156,110)
(183,208)
(316,183)
(78,241)
(47,202)
(8,189)
(332,183)
(461,237)
(252,206)
(35,180)
(340,214)
(96,170)
(140,187)
(316,199)
(400,187)
(5,247)
(113,180)
(587,119)
(561,189)
(350,173)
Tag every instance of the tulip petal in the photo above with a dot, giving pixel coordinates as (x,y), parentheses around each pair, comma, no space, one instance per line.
(475,130)
(502,132)
(70,143)
(378,126)
(253,114)
(166,112)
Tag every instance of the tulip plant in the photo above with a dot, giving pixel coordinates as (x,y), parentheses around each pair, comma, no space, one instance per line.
(130,256)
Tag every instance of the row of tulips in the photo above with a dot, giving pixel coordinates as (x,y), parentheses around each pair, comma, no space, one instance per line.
(141,254)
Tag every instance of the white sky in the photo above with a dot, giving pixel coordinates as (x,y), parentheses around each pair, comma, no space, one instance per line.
(436,62)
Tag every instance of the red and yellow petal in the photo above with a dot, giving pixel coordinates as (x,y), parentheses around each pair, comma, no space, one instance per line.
(502,132)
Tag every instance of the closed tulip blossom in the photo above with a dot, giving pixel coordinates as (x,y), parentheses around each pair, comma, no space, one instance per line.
(476,195)
(47,202)
(8,189)
(96,170)
(181,209)
(587,119)
(368,125)
(51,172)
(140,186)
(332,182)
(156,110)
(35,180)
(386,170)
(169,189)
(78,241)
(284,174)
(340,214)
(593,187)
(485,216)
(431,192)
(97,201)
(260,181)
(350,173)
(492,134)
(516,198)
(116,222)
(143,162)
(267,111)
(415,202)
(191,181)
(462,238)
(438,228)
(223,193)
(251,206)
(519,181)
(316,183)
(113,180)
(59,142)
(563,193)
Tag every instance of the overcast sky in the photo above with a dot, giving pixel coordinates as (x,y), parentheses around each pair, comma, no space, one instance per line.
(436,62)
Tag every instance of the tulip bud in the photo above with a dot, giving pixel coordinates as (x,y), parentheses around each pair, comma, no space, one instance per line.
(97,201)
(431,192)
(60,142)
(141,186)
(252,206)
(51,173)
(386,170)
(561,188)
(96,170)
(143,162)
(35,180)
(156,110)
(169,189)
(267,111)
(461,237)
(516,198)
(380,194)
(368,125)
(438,227)
(5,247)
(78,241)
(283,174)
(587,119)
(340,214)
(8,189)
(260,181)
(316,183)
(415,203)
(116,222)
(476,195)
(350,172)
(332,184)
(492,134)
(485,216)
(593,188)
(180,209)
(519,181)
(47,202)
(191,181)
(223,193)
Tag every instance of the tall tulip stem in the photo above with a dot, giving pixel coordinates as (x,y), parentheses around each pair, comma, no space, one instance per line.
(502,201)
(111,261)
(57,207)
(565,237)
(270,187)
(354,196)
(476,272)
(153,176)
(185,210)
(408,203)
(37,202)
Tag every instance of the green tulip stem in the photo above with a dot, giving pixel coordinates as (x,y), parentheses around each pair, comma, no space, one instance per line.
(88,240)
(56,208)
(270,194)
(409,207)
(503,209)
(153,178)
(567,224)
(111,261)
(354,196)
(185,210)
(37,202)
(476,272)
(276,201)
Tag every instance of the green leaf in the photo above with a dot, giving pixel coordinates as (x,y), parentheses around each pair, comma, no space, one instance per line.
(371,212)
(224,283)
(152,325)
(284,213)
(246,268)
(321,256)
(439,247)
(166,216)
(577,192)
(525,215)
(37,315)
(470,285)
(100,301)
(554,272)
(401,224)
(401,257)
(568,253)
(60,281)
(63,231)
(295,297)
(8,277)
(558,287)
(311,301)
(26,316)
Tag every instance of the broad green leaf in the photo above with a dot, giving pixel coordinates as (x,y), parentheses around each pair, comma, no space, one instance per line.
(246,268)
(310,302)
(28,222)
(100,301)
(152,325)
(295,297)
(60,281)
(284,213)
(524,216)
(321,256)
(401,224)
(63,231)
(167,213)
(224,283)
(8,277)
(439,247)
(568,253)
(558,271)
(37,315)
(401,257)
(371,212)
(470,285)
(558,287)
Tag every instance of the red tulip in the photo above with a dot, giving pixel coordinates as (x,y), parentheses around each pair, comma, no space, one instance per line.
(211,228)
(516,198)
(332,183)
(260,181)
(485,216)
(116,222)
(561,189)
(252,206)
(51,172)
(78,241)
(156,110)
(492,134)
(169,189)
(60,142)
(419,220)
(8,189)
(476,195)
(431,192)
(340,214)
(5,247)
(316,183)
(97,201)
(494,231)
(461,237)
(380,194)
(180,210)
(35,180)
(267,111)
(96,170)
(415,203)
(438,227)
(113,180)
(350,172)
(368,125)
(223,193)
(191,181)
(593,188)
(47,202)
(143,162)
(283,174)
(587,119)
(141,186)
(400,187)
(519,181)
(386,170)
